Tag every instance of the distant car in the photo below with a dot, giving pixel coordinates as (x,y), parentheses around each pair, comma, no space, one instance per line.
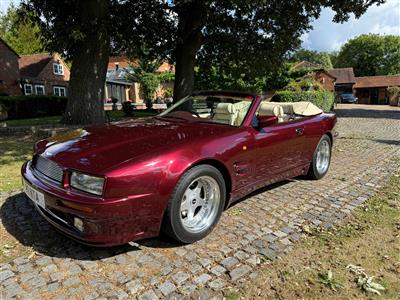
(175,172)
(348,98)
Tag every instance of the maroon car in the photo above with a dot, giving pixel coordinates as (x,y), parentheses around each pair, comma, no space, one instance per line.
(175,172)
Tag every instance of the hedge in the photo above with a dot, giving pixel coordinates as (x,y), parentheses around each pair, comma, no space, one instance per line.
(20,107)
(323,99)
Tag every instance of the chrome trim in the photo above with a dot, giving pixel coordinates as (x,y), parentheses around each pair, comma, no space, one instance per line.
(48,168)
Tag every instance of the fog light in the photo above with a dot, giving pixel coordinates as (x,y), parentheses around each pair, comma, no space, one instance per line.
(78,223)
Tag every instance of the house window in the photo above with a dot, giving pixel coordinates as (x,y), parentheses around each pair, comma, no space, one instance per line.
(58,69)
(28,89)
(39,89)
(59,91)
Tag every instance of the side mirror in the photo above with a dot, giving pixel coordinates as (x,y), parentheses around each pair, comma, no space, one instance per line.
(264,121)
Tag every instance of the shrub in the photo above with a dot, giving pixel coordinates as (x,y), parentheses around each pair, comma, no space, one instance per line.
(394,95)
(20,107)
(323,99)
(166,77)
(3,113)
(127,108)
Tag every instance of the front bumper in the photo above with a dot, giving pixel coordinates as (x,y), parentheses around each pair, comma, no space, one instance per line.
(106,222)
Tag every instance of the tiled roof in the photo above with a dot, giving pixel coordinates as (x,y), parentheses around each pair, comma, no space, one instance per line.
(343,75)
(8,46)
(377,81)
(32,65)
(123,62)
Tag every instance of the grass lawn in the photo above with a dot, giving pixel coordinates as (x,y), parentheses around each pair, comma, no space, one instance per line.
(14,151)
(371,240)
(114,116)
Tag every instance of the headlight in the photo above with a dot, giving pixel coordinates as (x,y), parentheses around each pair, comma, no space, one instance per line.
(87,183)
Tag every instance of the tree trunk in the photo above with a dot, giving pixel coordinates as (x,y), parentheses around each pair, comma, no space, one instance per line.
(191,19)
(89,66)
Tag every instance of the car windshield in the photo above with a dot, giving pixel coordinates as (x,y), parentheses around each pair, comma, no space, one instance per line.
(229,110)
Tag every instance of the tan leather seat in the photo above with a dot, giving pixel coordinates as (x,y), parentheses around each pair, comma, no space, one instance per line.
(270,109)
(225,113)
(241,110)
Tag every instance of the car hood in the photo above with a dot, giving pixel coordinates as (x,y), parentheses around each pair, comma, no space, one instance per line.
(96,149)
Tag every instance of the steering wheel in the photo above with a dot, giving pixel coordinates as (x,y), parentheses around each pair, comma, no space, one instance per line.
(194,113)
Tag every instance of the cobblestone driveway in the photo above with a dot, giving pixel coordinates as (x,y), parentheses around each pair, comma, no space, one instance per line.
(266,224)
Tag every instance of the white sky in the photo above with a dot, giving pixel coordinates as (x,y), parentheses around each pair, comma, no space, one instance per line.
(330,36)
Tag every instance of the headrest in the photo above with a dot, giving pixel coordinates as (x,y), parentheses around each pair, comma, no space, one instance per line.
(242,105)
(270,109)
(225,108)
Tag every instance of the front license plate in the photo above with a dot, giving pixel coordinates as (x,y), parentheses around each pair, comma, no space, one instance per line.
(33,194)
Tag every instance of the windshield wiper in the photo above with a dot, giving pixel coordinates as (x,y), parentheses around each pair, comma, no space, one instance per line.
(171,117)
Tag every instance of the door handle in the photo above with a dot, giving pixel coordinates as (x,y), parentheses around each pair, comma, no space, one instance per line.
(299,131)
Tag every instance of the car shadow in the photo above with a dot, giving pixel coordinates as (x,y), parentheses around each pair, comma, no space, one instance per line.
(21,220)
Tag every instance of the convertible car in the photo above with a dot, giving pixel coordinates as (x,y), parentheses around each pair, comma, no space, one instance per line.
(175,172)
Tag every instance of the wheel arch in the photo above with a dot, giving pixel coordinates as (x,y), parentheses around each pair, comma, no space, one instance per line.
(224,171)
(329,134)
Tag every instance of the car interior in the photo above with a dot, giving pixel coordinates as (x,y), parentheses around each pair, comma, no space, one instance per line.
(232,111)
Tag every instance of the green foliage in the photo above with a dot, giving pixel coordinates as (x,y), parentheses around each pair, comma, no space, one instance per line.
(365,282)
(150,83)
(303,84)
(394,95)
(371,54)
(329,281)
(323,99)
(19,107)
(320,58)
(232,77)
(169,92)
(21,33)
(166,77)
(145,75)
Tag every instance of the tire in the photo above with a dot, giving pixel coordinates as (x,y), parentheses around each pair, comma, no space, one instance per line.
(321,159)
(191,214)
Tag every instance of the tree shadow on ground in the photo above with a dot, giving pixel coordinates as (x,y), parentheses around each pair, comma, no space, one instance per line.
(368,113)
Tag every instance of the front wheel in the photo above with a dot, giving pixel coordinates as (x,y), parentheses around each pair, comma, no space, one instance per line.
(321,159)
(196,204)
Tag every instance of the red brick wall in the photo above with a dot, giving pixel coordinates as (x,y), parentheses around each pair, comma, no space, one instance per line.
(326,81)
(49,79)
(9,71)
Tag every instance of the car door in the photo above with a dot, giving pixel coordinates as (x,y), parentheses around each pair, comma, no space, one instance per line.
(279,149)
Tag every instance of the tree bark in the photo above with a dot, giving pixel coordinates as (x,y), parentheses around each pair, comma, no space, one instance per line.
(89,65)
(191,20)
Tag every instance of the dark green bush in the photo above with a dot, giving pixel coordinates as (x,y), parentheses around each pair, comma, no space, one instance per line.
(323,99)
(20,107)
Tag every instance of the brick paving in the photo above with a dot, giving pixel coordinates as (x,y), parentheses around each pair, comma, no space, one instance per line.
(265,225)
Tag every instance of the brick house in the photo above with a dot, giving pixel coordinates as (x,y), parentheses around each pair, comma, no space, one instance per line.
(44,74)
(327,80)
(345,79)
(373,89)
(118,87)
(9,71)
(318,74)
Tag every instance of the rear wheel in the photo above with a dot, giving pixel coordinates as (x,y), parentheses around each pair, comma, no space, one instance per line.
(321,159)
(195,205)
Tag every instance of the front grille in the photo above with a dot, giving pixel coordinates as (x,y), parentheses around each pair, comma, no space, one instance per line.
(48,168)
